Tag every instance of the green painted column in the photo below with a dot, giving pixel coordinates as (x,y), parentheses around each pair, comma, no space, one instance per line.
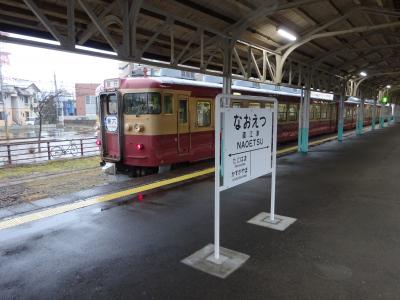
(304,122)
(360,118)
(340,131)
(299,120)
(373,116)
(391,117)
(341,114)
(382,117)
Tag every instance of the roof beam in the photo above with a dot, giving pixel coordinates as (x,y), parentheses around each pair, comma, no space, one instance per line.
(382,11)
(91,28)
(335,33)
(320,28)
(340,49)
(43,19)
(100,27)
(370,50)
(235,30)
(71,23)
(133,17)
(124,9)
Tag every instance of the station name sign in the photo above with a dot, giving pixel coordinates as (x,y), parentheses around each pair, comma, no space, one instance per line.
(246,144)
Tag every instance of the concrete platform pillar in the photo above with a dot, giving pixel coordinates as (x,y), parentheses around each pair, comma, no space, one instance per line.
(360,118)
(341,114)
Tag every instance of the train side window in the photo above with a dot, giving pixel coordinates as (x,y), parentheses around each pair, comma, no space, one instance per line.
(282,112)
(236,105)
(292,112)
(333,111)
(167,104)
(254,105)
(269,105)
(348,113)
(368,111)
(154,103)
(183,111)
(324,111)
(317,111)
(112,106)
(203,113)
(312,112)
(142,103)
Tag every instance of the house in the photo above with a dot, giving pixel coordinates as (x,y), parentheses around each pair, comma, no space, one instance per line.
(18,103)
(67,103)
(86,99)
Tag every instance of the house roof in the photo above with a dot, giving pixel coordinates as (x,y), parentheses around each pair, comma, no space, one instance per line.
(29,90)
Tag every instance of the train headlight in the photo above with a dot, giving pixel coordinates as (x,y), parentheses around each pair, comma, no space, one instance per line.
(139,127)
(128,127)
(139,146)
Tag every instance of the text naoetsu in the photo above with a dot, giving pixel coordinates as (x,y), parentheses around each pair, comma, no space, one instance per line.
(248,122)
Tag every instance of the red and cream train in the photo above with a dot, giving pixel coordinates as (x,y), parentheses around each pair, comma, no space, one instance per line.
(147,122)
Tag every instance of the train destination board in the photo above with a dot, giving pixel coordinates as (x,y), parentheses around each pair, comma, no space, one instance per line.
(246,144)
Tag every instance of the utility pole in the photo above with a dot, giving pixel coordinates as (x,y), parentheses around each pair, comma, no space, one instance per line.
(3,98)
(57,99)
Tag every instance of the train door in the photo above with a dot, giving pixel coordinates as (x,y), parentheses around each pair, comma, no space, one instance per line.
(183,125)
(110,122)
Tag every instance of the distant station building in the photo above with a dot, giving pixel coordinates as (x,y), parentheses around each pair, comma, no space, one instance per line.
(86,99)
(18,104)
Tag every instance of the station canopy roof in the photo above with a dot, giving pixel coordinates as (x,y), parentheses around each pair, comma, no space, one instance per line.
(339,38)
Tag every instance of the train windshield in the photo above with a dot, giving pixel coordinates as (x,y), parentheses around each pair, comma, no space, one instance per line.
(111,103)
(142,103)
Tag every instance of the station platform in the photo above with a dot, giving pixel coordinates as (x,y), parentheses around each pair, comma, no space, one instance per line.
(344,244)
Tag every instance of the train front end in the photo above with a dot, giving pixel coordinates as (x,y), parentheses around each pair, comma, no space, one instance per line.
(130,124)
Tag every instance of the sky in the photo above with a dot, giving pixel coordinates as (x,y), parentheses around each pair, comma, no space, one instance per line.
(39,65)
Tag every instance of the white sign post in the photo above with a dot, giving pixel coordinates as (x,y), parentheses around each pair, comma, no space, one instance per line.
(248,140)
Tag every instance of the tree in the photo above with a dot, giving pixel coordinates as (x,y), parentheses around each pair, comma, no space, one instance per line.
(47,112)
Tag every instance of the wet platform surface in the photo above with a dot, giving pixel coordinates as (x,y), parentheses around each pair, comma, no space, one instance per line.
(344,245)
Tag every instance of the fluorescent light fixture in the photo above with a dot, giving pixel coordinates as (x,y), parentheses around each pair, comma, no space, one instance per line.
(286,34)
(95,50)
(388,86)
(30,38)
(363,74)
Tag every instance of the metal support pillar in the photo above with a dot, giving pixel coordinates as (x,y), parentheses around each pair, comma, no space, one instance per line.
(390,118)
(373,116)
(360,118)
(3,100)
(226,89)
(227,69)
(300,119)
(382,117)
(395,114)
(341,113)
(305,118)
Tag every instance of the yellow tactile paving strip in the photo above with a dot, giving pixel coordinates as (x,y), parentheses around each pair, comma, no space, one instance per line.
(8,223)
